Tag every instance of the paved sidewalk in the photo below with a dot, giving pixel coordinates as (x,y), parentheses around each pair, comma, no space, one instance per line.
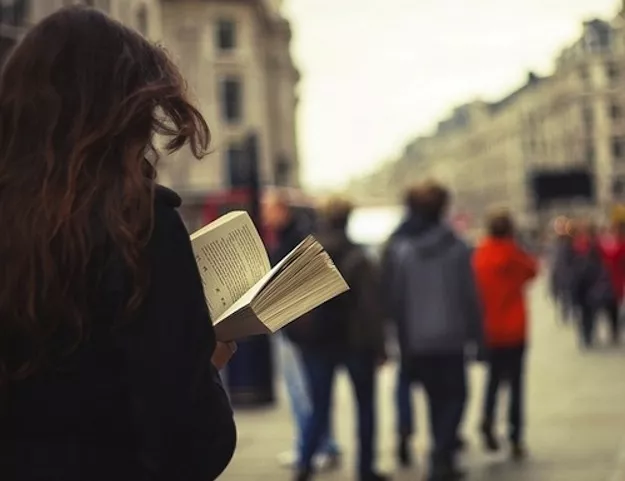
(575,411)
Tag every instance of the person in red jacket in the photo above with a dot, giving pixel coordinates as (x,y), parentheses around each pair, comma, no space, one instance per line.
(503,270)
(612,247)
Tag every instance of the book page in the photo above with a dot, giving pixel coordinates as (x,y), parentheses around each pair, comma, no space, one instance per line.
(246,299)
(231,258)
(308,282)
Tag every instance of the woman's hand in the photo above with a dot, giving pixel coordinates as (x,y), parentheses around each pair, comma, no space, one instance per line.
(222,354)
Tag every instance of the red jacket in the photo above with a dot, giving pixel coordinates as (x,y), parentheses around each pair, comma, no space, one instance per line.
(613,254)
(502,271)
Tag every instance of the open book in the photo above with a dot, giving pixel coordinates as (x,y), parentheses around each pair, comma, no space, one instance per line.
(244,295)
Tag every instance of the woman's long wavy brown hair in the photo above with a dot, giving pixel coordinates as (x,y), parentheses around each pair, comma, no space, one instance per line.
(81,100)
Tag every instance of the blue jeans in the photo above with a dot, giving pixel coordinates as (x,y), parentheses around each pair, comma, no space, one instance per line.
(299,397)
(403,399)
(320,367)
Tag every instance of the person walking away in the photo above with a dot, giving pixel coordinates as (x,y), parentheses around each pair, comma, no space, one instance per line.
(593,290)
(432,297)
(405,415)
(612,246)
(560,274)
(503,270)
(347,331)
(108,358)
(289,232)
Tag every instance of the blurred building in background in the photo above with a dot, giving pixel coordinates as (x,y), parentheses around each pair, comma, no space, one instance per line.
(555,144)
(235,54)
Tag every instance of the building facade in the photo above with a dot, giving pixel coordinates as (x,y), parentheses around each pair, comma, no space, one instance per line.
(235,56)
(566,125)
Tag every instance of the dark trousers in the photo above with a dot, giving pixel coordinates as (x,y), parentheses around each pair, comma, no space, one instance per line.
(588,317)
(443,377)
(320,368)
(506,365)
(403,399)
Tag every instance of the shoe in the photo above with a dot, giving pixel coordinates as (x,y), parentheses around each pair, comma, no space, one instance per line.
(288,459)
(519,452)
(491,444)
(460,444)
(303,476)
(325,462)
(404,454)
(446,472)
(373,476)
(322,462)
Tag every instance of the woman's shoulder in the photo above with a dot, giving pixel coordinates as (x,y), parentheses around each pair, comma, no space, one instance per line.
(167,224)
(167,198)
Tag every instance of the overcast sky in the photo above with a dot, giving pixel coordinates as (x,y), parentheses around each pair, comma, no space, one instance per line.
(376,73)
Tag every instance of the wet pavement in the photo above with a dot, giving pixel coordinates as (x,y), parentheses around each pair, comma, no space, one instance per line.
(575,412)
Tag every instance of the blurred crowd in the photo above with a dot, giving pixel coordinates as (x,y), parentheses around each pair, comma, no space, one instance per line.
(587,275)
(443,302)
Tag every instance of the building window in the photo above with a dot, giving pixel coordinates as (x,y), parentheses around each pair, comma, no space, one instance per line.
(587,116)
(583,75)
(612,72)
(237,167)
(283,171)
(615,111)
(617,149)
(142,20)
(13,12)
(590,154)
(618,187)
(226,35)
(232,100)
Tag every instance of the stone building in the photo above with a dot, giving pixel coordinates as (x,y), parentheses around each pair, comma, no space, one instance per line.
(573,121)
(235,55)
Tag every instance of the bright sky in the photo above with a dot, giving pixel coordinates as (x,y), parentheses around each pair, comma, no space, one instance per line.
(376,73)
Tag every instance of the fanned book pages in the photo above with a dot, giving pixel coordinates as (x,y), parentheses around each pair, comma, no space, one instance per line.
(244,295)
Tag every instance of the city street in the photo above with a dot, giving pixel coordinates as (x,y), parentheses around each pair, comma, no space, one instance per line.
(576,418)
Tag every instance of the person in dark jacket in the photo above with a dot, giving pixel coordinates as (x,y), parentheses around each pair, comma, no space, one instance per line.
(346,331)
(289,232)
(405,418)
(592,288)
(432,296)
(108,358)
(560,274)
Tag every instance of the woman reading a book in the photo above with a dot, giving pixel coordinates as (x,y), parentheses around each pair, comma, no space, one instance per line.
(108,359)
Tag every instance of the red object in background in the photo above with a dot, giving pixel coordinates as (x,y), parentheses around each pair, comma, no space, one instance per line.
(613,253)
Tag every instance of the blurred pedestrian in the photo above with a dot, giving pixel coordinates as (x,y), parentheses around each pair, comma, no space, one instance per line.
(348,332)
(108,358)
(404,406)
(288,233)
(503,270)
(593,289)
(561,264)
(433,299)
(612,245)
